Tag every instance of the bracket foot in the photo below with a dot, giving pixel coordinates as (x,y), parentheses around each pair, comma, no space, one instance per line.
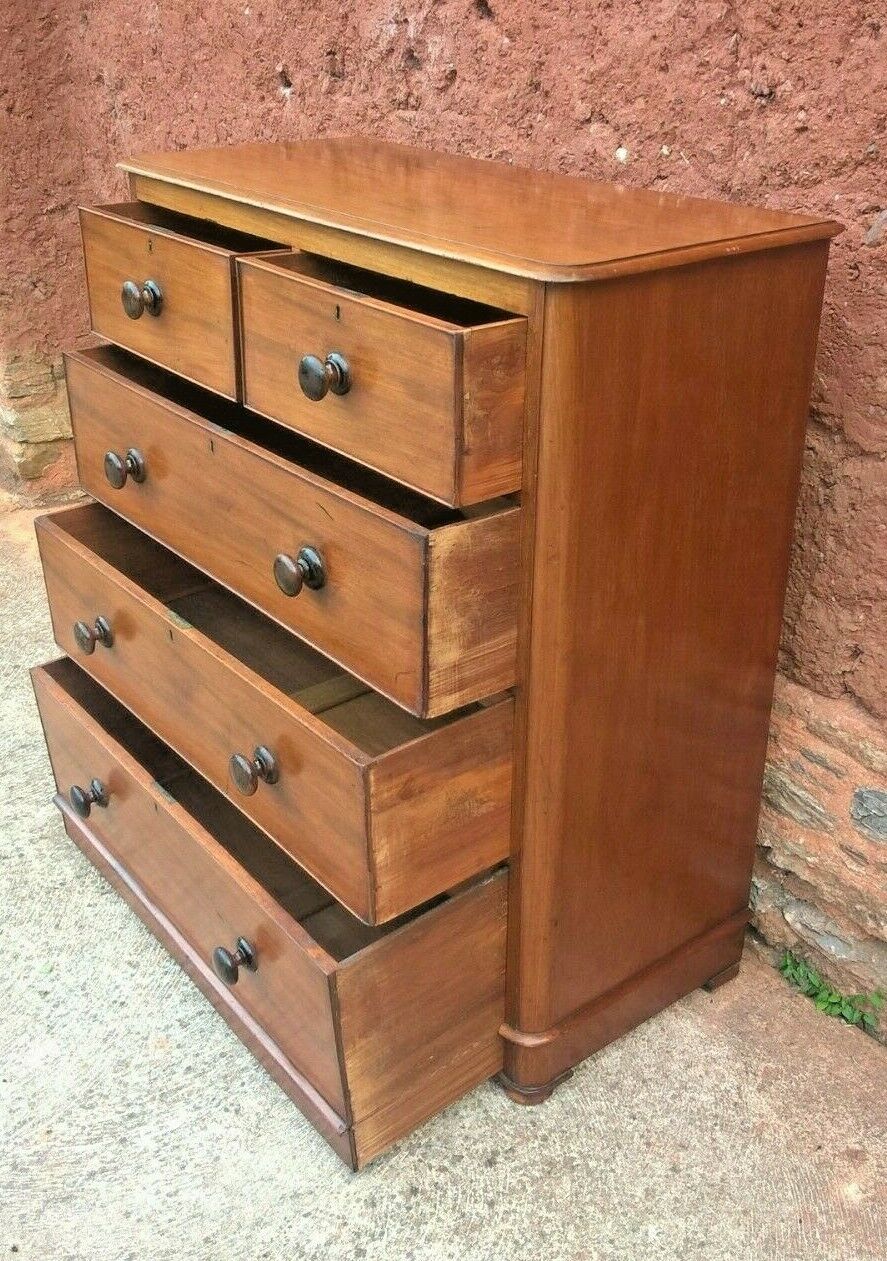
(721,978)
(529,1095)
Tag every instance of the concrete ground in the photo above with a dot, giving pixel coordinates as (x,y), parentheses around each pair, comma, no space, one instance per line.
(134,1125)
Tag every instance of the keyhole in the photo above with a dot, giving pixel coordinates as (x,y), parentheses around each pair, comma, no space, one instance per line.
(338,312)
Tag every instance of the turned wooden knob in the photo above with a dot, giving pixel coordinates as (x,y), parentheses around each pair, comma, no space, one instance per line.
(319,377)
(88,636)
(119,467)
(137,299)
(246,772)
(83,799)
(227,963)
(291,573)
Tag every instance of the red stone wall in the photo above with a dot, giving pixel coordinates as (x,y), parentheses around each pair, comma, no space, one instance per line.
(781,102)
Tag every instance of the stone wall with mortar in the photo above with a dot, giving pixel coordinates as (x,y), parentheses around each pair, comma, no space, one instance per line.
(781,102)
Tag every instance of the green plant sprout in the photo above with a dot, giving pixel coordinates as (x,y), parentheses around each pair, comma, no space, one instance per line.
(854,1009)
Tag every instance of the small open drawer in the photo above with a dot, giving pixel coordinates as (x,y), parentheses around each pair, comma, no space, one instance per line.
(384,809)
(369,1030)
(163,284)
(418,600)
(426,387)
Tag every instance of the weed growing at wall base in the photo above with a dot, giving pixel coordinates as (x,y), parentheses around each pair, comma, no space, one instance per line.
(854,1009)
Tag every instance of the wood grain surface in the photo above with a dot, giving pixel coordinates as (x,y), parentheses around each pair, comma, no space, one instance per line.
(384,810)
(257,1039)
(383,566)
(531,223)
(411,263)
(193,263)
(420,1014)
(437,390)
(668,466)
(199,885)
(408,1018)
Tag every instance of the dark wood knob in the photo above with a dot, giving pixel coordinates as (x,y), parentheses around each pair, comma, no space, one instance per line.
(83,799)
(246,772)
(319,377)
(131,297)
(152,297)
(137,299)
(119,467)
(291,573)
(227,963)
(88,636)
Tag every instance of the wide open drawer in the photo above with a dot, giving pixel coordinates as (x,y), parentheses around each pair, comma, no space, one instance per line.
(418,600)
(384,809)
(163,285)
(425,387)
(370,1030)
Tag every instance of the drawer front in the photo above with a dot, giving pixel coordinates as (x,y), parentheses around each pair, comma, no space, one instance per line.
(208,707)
(428,618)
(383,1028)
(435,406)
(305,1096)
(194,334)
(383,833)
(208,897)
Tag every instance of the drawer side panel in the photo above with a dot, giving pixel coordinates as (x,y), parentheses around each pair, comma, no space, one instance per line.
(473,588)
(494,371)
(420,1013)
(441,808)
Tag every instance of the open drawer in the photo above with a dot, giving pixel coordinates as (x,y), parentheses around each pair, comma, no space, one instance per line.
(163,285)
(369,1030)
(418,600)
(426,387)
(384,809)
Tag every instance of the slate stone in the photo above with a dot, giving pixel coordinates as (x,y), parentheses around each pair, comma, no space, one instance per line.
(868,810)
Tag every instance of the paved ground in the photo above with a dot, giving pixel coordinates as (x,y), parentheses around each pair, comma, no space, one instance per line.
(740,1125)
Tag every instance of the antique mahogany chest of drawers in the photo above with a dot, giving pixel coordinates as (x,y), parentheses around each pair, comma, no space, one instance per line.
(422,627)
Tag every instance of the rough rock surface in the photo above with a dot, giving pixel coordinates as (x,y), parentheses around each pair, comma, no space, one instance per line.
(820,882)
(34,423)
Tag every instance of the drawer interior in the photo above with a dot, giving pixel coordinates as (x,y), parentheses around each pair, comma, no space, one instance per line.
(285,444)
(446,308)
(333,928)
(170,221)
(366,719)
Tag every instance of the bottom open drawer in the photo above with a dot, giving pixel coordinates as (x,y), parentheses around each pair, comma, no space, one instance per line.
(369,1030)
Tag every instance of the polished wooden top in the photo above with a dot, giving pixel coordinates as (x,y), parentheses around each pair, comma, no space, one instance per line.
(529,223)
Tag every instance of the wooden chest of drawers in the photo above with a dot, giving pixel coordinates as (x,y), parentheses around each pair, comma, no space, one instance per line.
(421,634)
